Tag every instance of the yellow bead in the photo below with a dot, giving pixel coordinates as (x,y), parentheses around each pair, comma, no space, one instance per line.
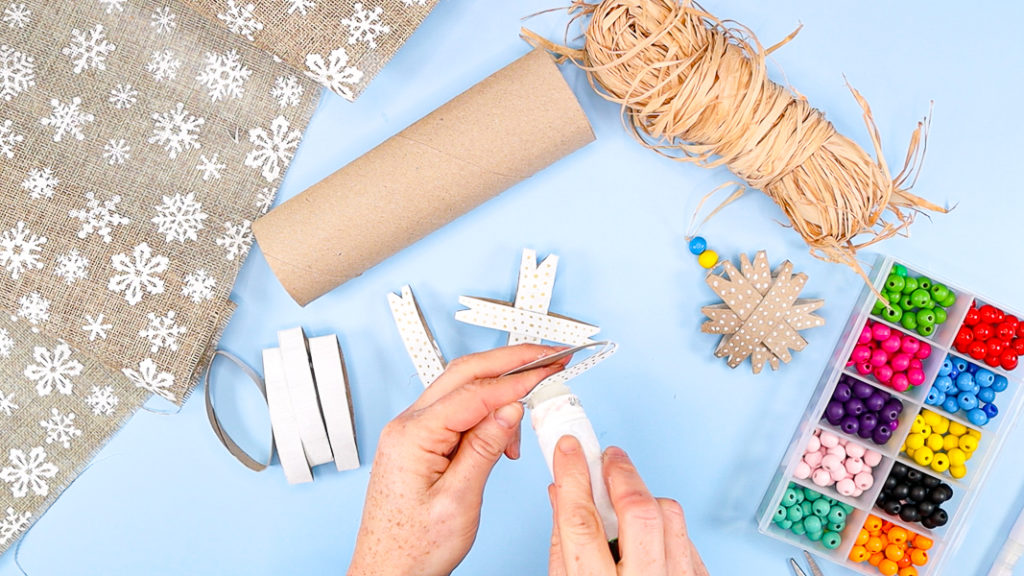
(975,433)
(708,258)
(968,444)
(957,429)
(931,418)
(956,457)
(957,472)
(923,456)
(949,441)
(935,442)
(942,427)
(915,441)
(918,426)
(940,463)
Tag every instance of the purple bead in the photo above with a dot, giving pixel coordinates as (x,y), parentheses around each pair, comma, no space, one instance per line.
(850,425)
(834,412)
(891,424)
(881,434)
(854,406)
(842,392)
(869,421)
(862,390)
(891,410)
(875,402)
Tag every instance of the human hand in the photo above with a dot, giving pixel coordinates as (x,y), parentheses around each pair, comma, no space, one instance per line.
(652,531)
(423,502)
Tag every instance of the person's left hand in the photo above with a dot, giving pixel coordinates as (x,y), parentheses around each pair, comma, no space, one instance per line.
(423,502)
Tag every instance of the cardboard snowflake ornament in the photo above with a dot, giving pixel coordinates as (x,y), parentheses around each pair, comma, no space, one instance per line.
(760,316)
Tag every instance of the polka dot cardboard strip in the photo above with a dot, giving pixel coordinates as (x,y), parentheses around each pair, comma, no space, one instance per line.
(419,342)
(536,283)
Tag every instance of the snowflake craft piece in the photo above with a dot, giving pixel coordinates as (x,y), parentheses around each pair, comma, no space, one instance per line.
(760,316)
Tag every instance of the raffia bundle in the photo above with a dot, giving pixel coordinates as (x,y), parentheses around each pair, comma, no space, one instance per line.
(695,88)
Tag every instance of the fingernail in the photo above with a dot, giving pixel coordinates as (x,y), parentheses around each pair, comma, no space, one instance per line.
(614,452)
(568,444)
(509,415)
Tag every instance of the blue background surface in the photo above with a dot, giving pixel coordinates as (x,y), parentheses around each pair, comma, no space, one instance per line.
(165,498)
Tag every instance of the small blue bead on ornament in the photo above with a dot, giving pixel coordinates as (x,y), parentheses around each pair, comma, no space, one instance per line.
(698,245)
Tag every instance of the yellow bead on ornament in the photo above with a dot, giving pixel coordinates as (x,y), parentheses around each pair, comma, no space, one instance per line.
(708,258)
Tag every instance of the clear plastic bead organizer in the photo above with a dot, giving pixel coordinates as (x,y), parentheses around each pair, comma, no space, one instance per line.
(916,401)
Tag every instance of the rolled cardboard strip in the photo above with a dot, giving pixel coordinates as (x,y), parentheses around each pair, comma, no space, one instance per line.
(516,122)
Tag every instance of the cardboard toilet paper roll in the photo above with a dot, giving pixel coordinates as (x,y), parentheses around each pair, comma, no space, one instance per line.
(499,132)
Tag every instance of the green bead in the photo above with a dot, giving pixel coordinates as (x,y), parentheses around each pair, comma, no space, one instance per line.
(924,283)
(780,514)
(812,495)
(831,540)
(907,303)
(787,524)
(939,292)
(900,269)
(909,285)
(926,330)
(949,300)
(893,314)
(836,526)
(821,508)
(895,283)
(806,507)
(920,298)
(925,317)
(795,513)
(909,321)
(940,314)
(800,495)
(847,508)
(836,515)
(812,523)
(878,307)
(796,527)
(789,497)
(815,536)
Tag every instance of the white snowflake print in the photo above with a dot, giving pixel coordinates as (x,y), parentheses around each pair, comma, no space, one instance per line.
(335,73)
(96,327)
(163,20)
(264,200)
(240,19)
(99,217)
(287,91)
(236,239)
(12,525)
(60,428)
(53,369)
(274,149)
(103,401)
(6,343)
(116,151)
(198,286)
(71,266)
(223,75)
(365,25)
(17,72)
(34,308)
(163,65)
(162,332)
(113,5)
(19,250)
(176,130)
(210,167)
(415,2)
(89,49)
(67,119)
(300,6)
(8,139)
(139,273)
(7,405)
(123,96)
(180,217)
(40,183)
(150,377)
(28,472)
(17,16)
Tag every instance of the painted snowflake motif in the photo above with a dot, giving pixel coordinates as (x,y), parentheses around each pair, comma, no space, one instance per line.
(240,19)
(60,428)
(17,15)
(287,91)
(19,250)
(365,25)
(123,96)
(209,167)
(33,308)
(139,273)
(67,119)
(116,151)
(71,266)
(415,2)
(162,332)
(176,130)
(12,525)
(163,65)
(7,405)
(300,6)
(6,343)
(180,217)
(274,149)
(236,239)
(335,73)
(8,139)
(99,217)
(89,48)
(96,327)
(224,75)
(28,472)
(112,6)
(53,369)
(150,377)
(264,200)
(103,401)
(163,20)
(40,183)
(198,286)
(17,72)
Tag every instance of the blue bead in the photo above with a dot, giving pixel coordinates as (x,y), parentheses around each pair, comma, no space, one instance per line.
(953,374)
(1000,383)
(971,367)
(967,401)
(991,410)
(977,417)
(965,381)
(984,378)
(933,396)
(950,404)
(947,367)
(940,399)
(960,365)
(944,384)
(698,245)
(986,395)
(975,389)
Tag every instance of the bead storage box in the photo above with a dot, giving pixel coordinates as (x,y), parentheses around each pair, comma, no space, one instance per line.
(906,421)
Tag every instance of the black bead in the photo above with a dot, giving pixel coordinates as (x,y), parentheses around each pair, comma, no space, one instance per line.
(918,493)
(926,508)
(892,507)
(939,517)
(941,493)
(909,513)
(898,470)
(901,491)
(890,482)
(930,482)
(928,523)
(913,475)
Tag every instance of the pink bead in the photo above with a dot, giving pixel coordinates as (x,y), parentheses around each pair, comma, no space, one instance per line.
(861,353)
(821,477)
(813,444)
(883,373)
(915,363)
(872,458)
(846,487)
(839,475)
(802,471)
(915,376)
(924,351)
(910,345)
(864,368)
(892,343)
(813,459)
(865,335)
(864,480)
(900,382)
(900,362)
(839,451)
(828,439)
(879,357)
(855,450)
(854,466)
(831,462)
(880,332)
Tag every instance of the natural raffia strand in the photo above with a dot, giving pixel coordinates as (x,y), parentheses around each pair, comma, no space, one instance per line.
(695,88)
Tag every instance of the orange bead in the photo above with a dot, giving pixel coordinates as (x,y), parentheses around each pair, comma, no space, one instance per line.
(874,544)
(905,561)
(918,557)
(888,567)
(873,523)
(859,554)
(897,535)
(876,558)
(908,571)
(862,537)
(922,542)
(893,552)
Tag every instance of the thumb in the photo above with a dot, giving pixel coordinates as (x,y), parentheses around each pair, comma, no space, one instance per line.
(481,447)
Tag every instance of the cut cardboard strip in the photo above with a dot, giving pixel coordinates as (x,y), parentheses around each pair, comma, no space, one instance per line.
(304,397)
(282,419)
(419,341)
(536,284)
(507,318)
(218,429)
(335,399)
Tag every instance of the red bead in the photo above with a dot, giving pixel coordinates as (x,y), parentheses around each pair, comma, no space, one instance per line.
(977,350)
(992,361)
(990,314)
(1008,360)
(995,347)
(1018,346)
(973,317)
(961,347)
(983,331)
(1020,330)
(1005,331)
(965,335)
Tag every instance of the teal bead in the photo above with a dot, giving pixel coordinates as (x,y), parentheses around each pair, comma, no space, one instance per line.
(789,497)
(837,526)
(812,524)
(831,540)
(900,270)
(806,507)
(787,524)
(780,514)
(801,495)
(847,508)
(812,495)
(836,515)
(795,513)
(821,508)
(698,245)
(815,536)
(796,527)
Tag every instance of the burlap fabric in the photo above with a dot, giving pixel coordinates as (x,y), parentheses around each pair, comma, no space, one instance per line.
(138,141)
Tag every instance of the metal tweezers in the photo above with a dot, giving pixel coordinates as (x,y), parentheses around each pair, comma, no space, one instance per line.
(815,570)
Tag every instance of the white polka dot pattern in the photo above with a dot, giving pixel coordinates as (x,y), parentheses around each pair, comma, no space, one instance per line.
(536,284)
(419,342)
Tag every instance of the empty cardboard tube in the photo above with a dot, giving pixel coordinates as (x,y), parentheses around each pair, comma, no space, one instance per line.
(519,120)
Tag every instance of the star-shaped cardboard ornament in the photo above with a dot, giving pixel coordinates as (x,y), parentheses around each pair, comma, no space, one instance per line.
(760,316)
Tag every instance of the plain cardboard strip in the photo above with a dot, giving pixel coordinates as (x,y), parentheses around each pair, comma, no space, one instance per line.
(303,393)
(335,400)
(503,130)
(282,420)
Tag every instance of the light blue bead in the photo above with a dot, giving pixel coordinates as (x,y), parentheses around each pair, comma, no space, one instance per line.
(960,365)
(977,417)
(984,377)
(975,389)
(950,404)
(965,381)
(967,401)
(932,399)
(986,395)
(940,399)
(1000,383)
(698,245)
(971,367)
(944,384)
(947,367)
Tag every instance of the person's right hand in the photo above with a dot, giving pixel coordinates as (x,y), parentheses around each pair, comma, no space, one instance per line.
(652,531)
